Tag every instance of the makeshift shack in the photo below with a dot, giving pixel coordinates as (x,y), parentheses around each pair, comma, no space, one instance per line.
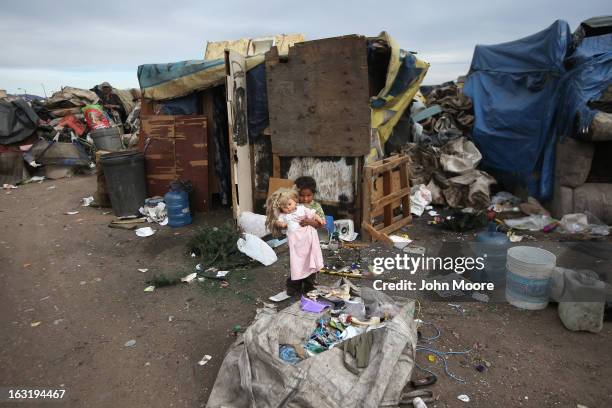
(323,109)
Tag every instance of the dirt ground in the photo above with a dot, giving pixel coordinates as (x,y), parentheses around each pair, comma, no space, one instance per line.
(80,280)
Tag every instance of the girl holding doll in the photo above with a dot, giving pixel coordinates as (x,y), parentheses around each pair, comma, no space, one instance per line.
(305,258)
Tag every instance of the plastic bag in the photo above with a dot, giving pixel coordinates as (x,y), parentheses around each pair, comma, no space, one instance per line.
(531,223)
(420,197)
(95,117)
(257,249)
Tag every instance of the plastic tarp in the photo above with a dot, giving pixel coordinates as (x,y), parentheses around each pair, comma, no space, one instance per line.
(404,76)
(589,77)
(513,87)
(159,82)
(528,93)
(18,121)
(253,375)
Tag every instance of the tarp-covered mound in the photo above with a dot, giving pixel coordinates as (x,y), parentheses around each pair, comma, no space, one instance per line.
(513,87)
(17,121)
(529,93)
(253,375)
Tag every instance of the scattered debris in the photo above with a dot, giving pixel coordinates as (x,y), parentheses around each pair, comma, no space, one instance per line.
(205,360)
(463,398)
(222,274)
(217,246)
(481,297)
(145,232)
(35,324)
(279,297)
(9,186)
(71,212)
(514,237)
(130,343)
(86,201)
(143,270)
(256,249)
(149,288)
(415,250)
(155,211)
(189,278)
(400,241)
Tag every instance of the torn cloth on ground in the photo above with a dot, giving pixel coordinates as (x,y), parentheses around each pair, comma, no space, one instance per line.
(252,373)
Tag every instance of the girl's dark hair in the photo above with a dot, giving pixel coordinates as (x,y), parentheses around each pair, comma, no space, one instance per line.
(306,182)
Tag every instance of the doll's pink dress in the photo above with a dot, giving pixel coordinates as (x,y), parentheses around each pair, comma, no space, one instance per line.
(305,257)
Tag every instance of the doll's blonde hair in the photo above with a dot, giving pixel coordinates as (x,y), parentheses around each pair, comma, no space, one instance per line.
(274,204)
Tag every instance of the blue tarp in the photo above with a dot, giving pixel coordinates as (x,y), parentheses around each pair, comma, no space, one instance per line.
(150,75)
(524,99)
(513,87)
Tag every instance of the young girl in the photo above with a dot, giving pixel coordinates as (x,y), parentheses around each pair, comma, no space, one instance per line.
(305,257)
(307,187)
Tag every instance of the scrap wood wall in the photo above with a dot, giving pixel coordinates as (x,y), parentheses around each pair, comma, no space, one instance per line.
(177,150)
(318,104)
(318,99)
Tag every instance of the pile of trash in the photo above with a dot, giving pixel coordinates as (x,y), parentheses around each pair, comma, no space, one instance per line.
(55,134)
(537,218)
(448,176)
(448,114)
(263,367)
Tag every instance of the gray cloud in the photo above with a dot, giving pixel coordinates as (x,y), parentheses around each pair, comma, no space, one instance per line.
(80,43)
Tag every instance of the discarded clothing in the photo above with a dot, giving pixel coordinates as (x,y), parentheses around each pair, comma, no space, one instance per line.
(359,347)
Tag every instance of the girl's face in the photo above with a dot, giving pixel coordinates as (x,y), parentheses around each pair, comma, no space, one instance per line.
(289,207)
(306,196)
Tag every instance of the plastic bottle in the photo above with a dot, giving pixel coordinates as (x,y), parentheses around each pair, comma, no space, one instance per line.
(492,246)
(177,204)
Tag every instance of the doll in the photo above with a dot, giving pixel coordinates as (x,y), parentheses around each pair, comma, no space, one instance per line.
(305,257)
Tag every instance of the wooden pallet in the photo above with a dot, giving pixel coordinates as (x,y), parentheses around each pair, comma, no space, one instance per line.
(392,174)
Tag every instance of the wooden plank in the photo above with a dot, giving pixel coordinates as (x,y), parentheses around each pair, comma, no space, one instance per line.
(318,100)
(387,164)
(367,194)
(388,209)
(208,111)
(389,200)
(191,157)
(177,151)
(396,225)
(240,152)
(376,235)
(276,165)
(405,182)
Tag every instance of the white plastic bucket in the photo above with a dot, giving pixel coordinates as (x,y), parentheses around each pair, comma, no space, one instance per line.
(528,277)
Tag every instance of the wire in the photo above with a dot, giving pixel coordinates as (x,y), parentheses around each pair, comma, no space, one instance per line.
(438,332)
(442,356)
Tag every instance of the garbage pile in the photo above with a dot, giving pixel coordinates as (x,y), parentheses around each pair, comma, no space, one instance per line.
(448,114)
(537,218)
(448,175)
(60,134)
(263,367)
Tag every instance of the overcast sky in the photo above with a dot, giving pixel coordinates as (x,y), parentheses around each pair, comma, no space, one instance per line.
(82,43)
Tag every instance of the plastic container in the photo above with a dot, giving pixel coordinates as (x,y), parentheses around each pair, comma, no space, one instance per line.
(177,204)
(329,224)
(125,181)
(529,270)
(492,246)
(107,139)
